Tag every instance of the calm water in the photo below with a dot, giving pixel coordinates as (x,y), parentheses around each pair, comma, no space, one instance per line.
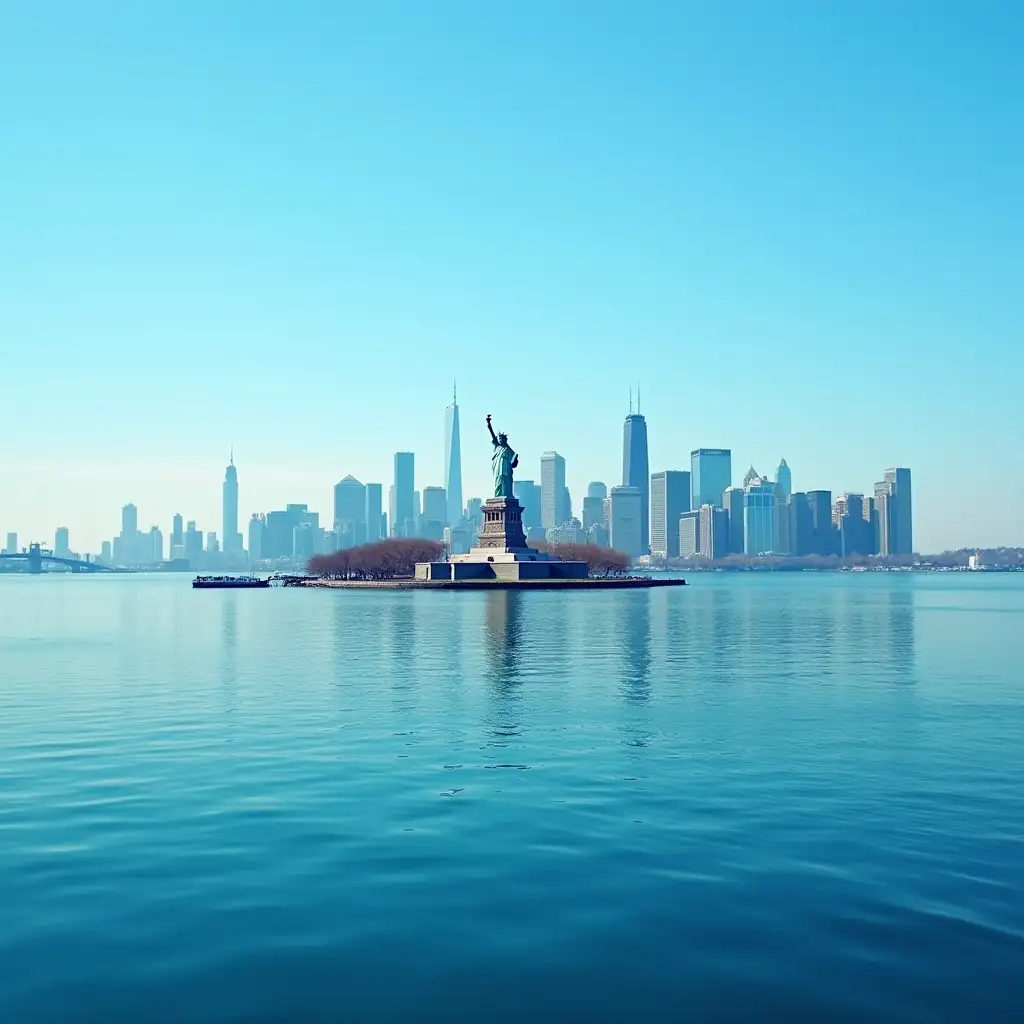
(798,797)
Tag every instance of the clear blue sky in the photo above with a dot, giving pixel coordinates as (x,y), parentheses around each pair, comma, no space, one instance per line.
(286,226)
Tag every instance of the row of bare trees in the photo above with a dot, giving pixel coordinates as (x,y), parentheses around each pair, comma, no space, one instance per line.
(600,561)
(382,560)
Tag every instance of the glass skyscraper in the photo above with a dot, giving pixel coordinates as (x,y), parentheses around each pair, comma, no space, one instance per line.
(229,524)
(552,490)
(894,511)
(760,512)
(403,513)
(670,498)
(635,470)
(710,475)
(452,463)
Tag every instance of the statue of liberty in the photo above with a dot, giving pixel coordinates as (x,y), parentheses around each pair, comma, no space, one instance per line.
(503,461)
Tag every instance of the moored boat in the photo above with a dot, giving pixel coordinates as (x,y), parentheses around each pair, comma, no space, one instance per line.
(229,582)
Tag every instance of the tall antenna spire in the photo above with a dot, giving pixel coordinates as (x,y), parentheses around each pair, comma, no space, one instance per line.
(232,453)
(454,396)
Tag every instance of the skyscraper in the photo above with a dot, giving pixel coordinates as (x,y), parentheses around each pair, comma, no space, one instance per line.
(528,494)
(452,463)
(593,504)
(177,537)
(435,505)
(232,538)
(374,512)
(349,513)
(899,528)
(732,502)
(714,531)
(403,517)
(689,534)
(61,542)
(257,525)
(552,489)
(670,498)
(625,514)
(783,481)
(760,515)
(635,469)
(11,547)
(129,520)
(801,525)
(710,474)
(824,534)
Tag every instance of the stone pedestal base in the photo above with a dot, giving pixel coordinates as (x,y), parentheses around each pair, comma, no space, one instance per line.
(502,553)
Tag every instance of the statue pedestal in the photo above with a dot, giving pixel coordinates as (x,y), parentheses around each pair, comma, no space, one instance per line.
(501,552)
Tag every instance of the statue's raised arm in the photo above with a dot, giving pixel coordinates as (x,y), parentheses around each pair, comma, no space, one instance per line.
(494,439)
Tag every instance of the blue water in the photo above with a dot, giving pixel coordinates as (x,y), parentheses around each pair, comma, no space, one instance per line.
(758,797)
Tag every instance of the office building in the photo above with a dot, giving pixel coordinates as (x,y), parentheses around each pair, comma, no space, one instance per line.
(528,495)
(783,481)
(689,534)
(732,502)
(232,538)
(801,525)
(106,554)
(434,514)
(403,496)
(593,510)
(670,498)
(257,525)
(894,509)
(760,515)
(11,547)
(374,513)
(154,546)
(852,528)
(624,512)
(279,534)
(713,524)
(475,515)
(304,541)
(349,513)
(61,543)
(823,532)
(552,490)
(177,536)
(452,464)
(193,544)
(710,475)
(569,532)
(636,471)
(129,520)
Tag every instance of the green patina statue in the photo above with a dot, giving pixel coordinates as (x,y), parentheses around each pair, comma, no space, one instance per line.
(503,461)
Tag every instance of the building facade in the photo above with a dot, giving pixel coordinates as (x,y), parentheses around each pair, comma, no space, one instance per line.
(732,502)
(689,534)
(349,513)
(403,513)
(229,510)
(710,475)
(625,515)
(670,498)
(636,471)
(529,496)
(552,490)
(713,524)
(760,517)
(452,464)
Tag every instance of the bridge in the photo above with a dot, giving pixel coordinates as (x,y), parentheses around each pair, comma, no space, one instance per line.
(36,555)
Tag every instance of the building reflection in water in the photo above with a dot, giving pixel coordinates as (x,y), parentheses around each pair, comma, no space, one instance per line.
(902,629)
(229,635)
(634,622)
(503,615)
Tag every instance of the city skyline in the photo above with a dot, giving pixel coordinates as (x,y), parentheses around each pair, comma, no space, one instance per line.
(760,516)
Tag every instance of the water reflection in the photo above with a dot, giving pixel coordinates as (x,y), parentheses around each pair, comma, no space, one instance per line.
(503,616)
(634,623)
(229,636)
(901,637)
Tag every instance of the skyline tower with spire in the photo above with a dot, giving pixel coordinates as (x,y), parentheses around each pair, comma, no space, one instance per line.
(231,539)
(453,461)
(635,467)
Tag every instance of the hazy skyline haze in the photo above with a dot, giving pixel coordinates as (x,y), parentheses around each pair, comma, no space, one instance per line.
(287,229)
